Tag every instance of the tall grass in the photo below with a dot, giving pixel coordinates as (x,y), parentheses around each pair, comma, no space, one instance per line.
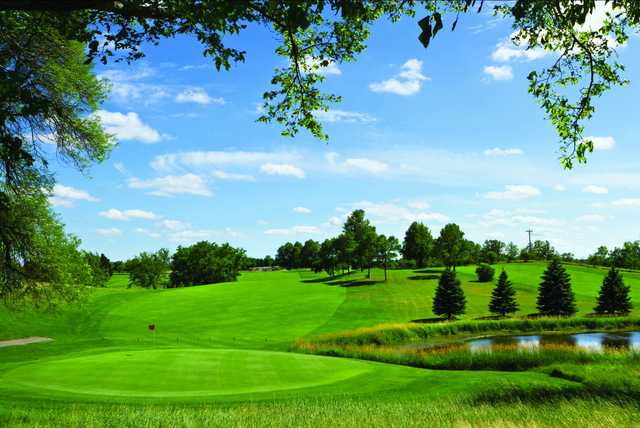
(460,357)
(483,411)
(396,334)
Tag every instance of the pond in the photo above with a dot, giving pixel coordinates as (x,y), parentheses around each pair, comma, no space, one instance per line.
(598,341)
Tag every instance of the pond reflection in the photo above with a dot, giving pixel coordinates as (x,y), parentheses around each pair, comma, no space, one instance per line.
(626,340)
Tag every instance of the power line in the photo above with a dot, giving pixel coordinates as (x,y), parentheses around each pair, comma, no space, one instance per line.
(529,231)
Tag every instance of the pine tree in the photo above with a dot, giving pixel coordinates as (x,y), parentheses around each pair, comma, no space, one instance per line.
(555,296)
(449,299)
(503,297)
(614,295)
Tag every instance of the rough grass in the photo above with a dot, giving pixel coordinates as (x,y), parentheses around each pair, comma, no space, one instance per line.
(548,409)
(406,333)
(459,357)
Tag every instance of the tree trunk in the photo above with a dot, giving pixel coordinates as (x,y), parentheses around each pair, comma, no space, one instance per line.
(385,271)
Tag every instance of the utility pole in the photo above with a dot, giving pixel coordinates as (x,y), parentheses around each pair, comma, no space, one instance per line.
(529,231)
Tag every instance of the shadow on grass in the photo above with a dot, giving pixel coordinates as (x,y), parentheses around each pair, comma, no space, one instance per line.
(429,320)
(543,395)
(428,271)
(424,277)
(328,278)
(355,283)
(491,317)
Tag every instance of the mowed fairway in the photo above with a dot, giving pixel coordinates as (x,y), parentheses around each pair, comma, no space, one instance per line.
(229,342)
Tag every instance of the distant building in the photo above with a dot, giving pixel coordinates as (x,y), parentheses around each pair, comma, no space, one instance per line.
(264,268)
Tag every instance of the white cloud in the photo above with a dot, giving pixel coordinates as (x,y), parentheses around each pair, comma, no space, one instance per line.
(407,82)
(596,190)
(518,217)
(282,169)
(595,20)
(172,185)
(418,205)
(302,210)
(335,221)
(179,232)
(173,161)
(601,143)
(230,176)
(68,192)
(119,166)
(343,116)
(369,165)
(127,126)
(388,212)
(499,72)
(65,196)
(315,65)
(149,233)
(109,232)
(197,96)
(128,87)
(60,202)
(497,151)
(514,192)
(559,188)
(592,218)
(174,225)
(331,157)
(627,202)
(508,49)
(295,230)
(115,214)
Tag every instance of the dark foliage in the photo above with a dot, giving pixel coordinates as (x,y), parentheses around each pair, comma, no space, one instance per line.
(555,296)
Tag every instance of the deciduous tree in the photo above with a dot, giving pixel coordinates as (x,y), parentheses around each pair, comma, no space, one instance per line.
(451,245)
(418,244)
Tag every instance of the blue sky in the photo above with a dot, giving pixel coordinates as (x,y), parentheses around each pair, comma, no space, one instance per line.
(447,134)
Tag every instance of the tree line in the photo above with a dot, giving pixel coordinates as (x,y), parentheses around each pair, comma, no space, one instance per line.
(359,246)
(555,296)
(198,264)
(627,256)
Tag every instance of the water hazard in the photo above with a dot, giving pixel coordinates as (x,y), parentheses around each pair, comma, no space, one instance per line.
(624,340)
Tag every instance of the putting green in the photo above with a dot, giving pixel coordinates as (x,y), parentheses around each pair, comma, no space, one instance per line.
(183,373)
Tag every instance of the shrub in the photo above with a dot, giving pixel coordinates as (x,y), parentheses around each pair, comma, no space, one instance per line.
(485,273)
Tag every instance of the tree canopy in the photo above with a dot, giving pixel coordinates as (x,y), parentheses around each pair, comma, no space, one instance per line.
(418,244)
(316,33)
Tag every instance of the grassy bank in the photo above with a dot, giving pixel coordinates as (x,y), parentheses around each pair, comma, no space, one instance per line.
(458,357)
(406,333)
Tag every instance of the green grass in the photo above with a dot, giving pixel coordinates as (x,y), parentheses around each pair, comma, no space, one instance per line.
(225,347)
(443,332)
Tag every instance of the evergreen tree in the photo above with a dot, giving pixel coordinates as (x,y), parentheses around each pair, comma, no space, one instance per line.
(503,297)
(555,296)
(449,299)
(614,295)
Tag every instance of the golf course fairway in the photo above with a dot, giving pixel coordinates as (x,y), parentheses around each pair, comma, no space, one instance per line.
(233,346)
